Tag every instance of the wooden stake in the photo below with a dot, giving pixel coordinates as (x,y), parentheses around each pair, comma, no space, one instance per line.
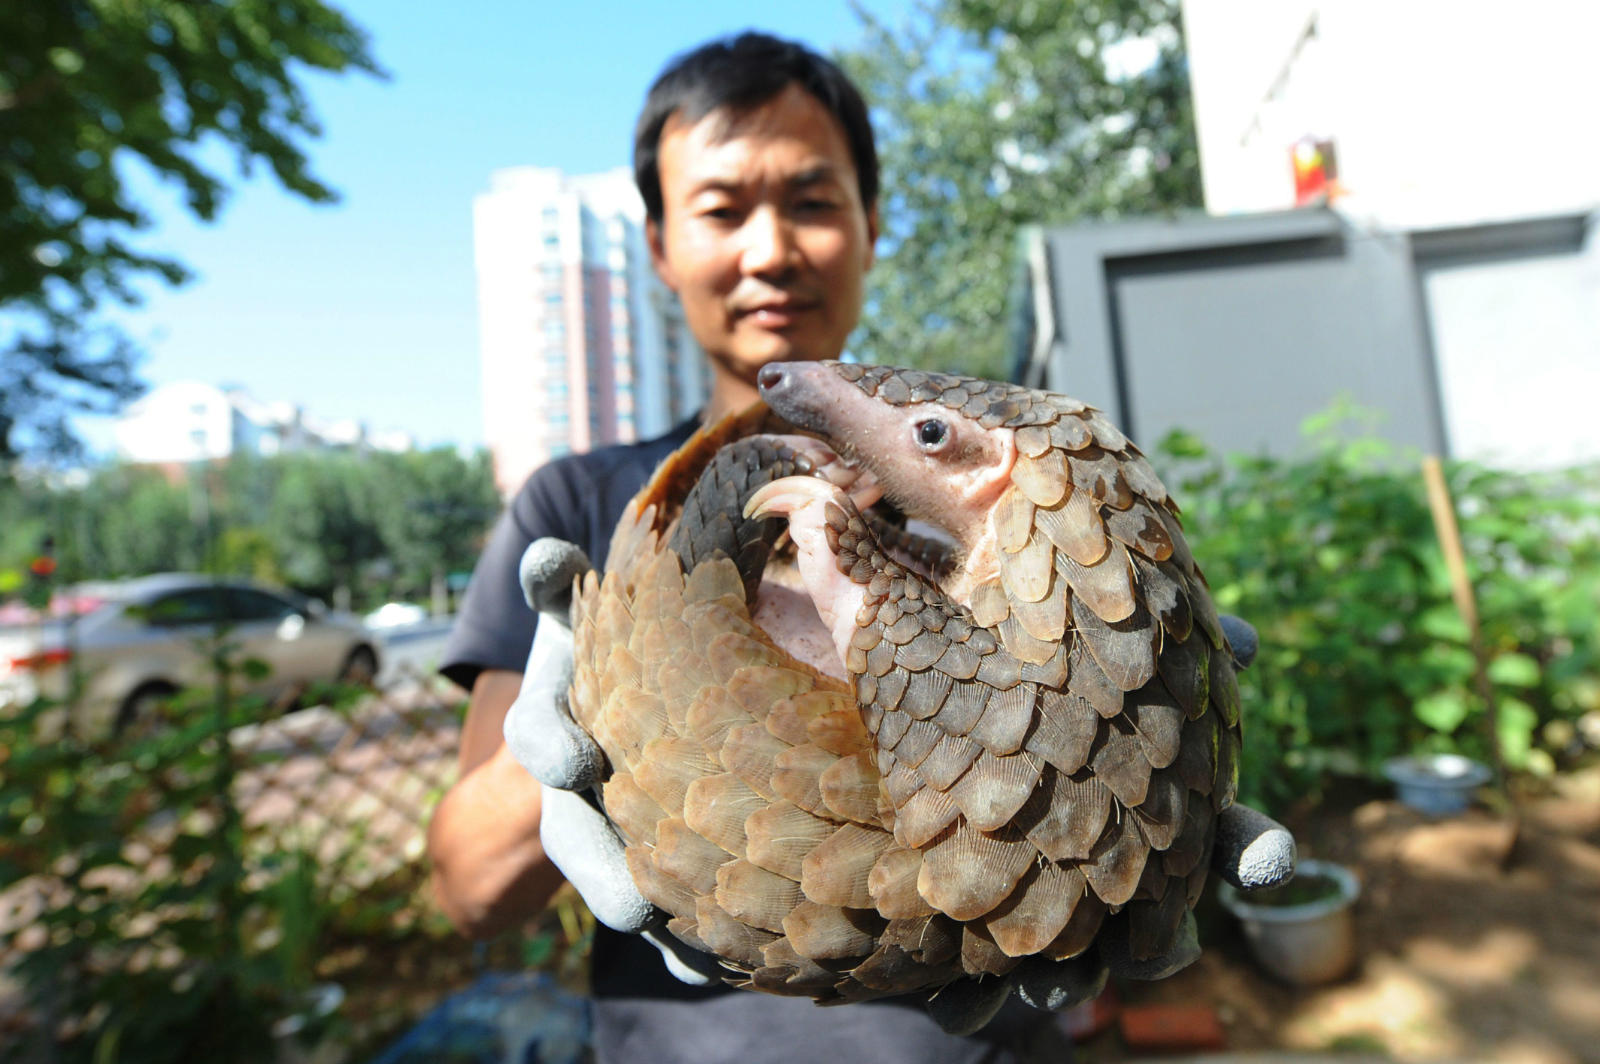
(1455,560)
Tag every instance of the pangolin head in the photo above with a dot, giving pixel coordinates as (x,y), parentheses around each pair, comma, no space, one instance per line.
(942,447)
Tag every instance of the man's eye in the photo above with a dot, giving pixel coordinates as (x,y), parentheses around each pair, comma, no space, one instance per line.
(932,433)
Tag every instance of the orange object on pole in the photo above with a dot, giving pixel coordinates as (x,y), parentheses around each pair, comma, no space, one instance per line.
(1455,561)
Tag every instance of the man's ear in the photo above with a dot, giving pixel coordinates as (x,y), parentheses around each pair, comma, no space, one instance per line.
(872,236)
(658,254)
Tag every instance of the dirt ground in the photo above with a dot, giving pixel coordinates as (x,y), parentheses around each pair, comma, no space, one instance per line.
(1478,939)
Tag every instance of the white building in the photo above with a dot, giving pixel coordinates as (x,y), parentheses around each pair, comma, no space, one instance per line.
(1439,118)
(1440,112)
(581,344)
(191,421)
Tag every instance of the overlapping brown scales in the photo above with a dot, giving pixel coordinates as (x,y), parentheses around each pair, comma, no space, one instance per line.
(989,604)
(634,811)
(836,872)
(1106,587)
(1037,910)
(728,937)
(1045,619)
(992,791)
(1089,682)
(892,883)
(1157,720)
(786,972)
(1117,861)
(981,955)
(688,856)
(667,767)
(1026,574)
(1160,816)
(1063,730)
(754,895)
(1224,687)
(966,872)
(632,718)
(1098,472)
(658,888)
(1197,752)
(964,707)
(832,933)
(930,939)
(750,752)
(779,837)
(1065,817)
(716,807)
(1227,779)
(1189,848)
(1143,479)
(759,688)
(1079,933)
(923,816)
(1125,650)
(1042,478)
(1118,761)
(1013,520)
(783,822)
(1075,528)
(712,715)
(798,776)
(949,758)
(849,789)
(926,693)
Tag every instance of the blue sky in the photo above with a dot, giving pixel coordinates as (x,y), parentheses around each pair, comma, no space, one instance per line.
(367,309)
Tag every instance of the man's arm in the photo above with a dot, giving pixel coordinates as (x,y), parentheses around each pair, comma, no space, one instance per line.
(489,867)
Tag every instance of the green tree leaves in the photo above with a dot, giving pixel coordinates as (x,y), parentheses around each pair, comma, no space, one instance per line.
(86,87)
(380,524)
(993,114)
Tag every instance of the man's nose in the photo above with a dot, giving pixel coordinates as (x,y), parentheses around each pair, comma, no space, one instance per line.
(769,244)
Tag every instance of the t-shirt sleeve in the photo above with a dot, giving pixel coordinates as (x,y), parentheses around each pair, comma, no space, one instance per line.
(494,626)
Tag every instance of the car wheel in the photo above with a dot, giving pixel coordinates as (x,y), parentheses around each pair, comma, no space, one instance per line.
(138,710)
(360,668)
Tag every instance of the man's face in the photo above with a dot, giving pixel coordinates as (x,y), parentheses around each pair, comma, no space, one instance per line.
(764,236)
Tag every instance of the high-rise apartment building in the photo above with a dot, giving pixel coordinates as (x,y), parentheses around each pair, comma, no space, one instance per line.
(581,344)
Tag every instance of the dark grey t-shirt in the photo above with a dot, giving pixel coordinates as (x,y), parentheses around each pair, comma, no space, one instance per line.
(642,1013)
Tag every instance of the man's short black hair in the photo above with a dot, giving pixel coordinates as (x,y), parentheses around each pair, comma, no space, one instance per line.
(742,73)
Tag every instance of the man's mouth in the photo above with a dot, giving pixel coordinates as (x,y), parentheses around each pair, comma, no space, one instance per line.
(777,314)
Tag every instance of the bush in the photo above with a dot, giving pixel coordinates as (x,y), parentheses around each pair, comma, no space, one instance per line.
(1334,558)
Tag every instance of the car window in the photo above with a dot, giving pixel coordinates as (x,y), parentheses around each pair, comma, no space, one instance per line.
(246,604)
(198,606)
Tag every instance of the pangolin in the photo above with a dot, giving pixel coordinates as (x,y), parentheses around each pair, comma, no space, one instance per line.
(895,760)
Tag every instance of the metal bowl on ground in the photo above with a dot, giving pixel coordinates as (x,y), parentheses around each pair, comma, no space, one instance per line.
(1436,784)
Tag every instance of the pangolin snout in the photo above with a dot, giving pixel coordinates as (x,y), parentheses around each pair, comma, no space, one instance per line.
(805,394)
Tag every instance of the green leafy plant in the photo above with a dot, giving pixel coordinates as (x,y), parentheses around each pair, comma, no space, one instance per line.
(1332,555)
(157,926)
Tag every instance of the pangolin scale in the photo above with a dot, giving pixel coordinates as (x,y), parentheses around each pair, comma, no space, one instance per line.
(995,778)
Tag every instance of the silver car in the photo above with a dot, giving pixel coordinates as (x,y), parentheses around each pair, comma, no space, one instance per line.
(137,641)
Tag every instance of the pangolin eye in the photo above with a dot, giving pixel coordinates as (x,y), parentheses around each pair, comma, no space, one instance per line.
(932,433)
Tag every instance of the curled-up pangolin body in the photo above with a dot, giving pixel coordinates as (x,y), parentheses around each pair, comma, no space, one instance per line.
(890,762)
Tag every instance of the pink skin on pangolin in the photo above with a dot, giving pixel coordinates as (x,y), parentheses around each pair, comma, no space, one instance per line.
(953,484)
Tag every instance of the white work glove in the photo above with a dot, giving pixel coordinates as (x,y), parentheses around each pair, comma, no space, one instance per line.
(1251,851)
(545,740)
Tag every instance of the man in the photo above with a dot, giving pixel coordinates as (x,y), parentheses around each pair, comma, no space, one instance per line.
(756,163)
